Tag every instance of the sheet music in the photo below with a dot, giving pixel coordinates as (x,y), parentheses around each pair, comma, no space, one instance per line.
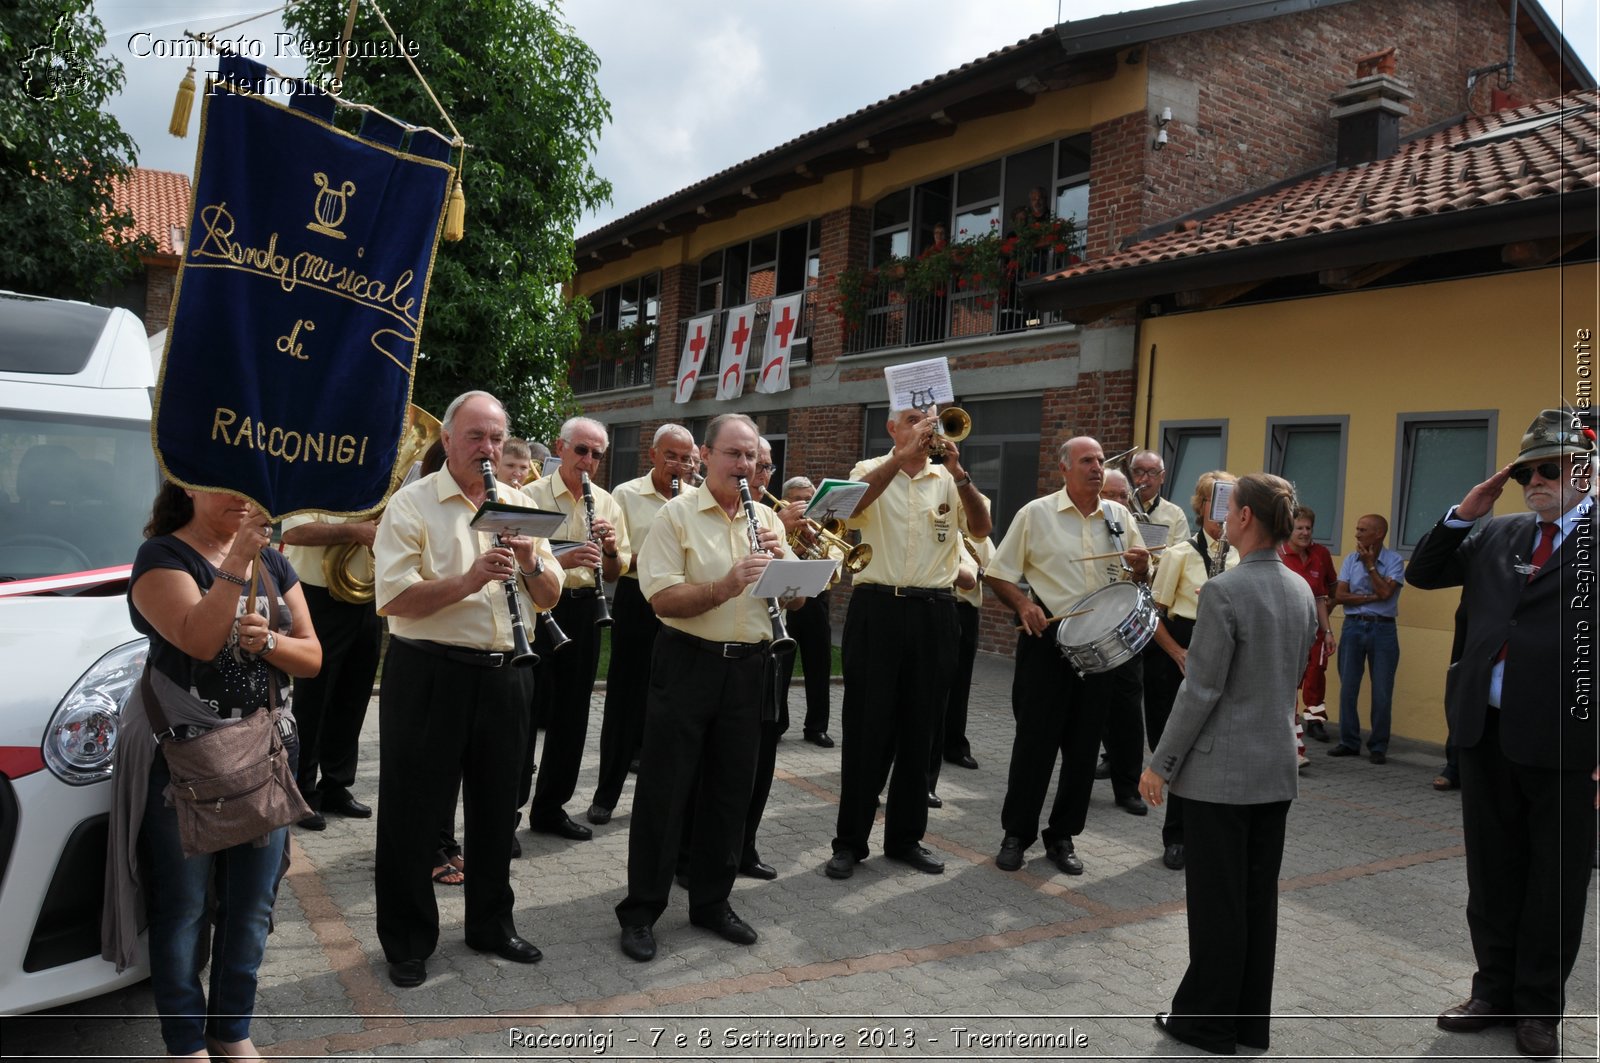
(835,499)
(792,578)
(919,384)
(500,518)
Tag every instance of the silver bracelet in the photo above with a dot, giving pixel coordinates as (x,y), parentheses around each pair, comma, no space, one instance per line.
(231,578)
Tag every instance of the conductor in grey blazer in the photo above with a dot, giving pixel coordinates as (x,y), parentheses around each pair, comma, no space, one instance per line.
(1229,751)
(1520,698)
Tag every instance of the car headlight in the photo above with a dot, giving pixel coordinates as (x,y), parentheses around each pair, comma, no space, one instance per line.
(82,734)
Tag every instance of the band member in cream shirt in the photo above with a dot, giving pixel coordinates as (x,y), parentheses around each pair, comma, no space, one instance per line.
(1057,711)
(565,679)
(900,638)
(453,710)
(703,716)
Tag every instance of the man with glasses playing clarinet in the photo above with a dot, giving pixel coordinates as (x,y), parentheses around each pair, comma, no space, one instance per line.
(453,710)
(707,691)
(672,459)
(1522,713)
(901,635)
(564,679)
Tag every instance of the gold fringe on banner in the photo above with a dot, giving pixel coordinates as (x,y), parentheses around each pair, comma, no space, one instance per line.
(179,126)
(455,215)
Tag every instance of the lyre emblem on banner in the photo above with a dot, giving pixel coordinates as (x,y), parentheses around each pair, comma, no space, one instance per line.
(330,206)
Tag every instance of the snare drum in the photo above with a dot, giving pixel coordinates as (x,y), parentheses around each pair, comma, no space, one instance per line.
(1120,620)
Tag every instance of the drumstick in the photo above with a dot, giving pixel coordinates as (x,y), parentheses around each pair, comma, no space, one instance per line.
(1117,553)
(1063,616)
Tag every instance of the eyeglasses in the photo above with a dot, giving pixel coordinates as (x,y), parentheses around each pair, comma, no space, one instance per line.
(768,469)
(584,450)
(1139,474)
(1547,470)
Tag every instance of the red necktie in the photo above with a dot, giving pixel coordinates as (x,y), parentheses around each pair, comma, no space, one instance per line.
(1541,554)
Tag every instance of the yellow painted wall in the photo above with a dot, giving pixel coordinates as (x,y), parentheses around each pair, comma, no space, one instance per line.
(1053,115)
(1494,343)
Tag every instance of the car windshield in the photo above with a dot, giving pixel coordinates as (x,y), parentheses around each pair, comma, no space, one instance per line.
(74,493)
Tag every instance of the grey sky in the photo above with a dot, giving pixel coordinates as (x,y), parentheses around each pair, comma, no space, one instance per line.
(695,85)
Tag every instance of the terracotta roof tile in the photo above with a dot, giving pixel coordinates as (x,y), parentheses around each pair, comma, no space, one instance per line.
(1435,174)
(158,200)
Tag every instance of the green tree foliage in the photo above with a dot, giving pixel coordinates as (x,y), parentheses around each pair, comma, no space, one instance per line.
(521,88)
(61,153)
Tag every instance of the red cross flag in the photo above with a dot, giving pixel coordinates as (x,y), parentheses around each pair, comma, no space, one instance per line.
(695,342)
(782,324)
(736,334)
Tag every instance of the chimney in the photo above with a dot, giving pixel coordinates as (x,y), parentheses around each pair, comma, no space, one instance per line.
(1368,111)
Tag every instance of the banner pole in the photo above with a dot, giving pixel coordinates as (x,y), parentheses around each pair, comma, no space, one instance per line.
(344,41)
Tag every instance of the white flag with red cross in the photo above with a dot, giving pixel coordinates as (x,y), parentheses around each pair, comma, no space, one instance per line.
(737,332)
(782,324)
(695,341)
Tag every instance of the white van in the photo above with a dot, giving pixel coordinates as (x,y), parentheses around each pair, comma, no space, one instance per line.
(77,476)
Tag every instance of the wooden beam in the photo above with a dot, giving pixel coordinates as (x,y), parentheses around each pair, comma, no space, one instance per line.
(1541,252)
(1211,298)
(1349,278)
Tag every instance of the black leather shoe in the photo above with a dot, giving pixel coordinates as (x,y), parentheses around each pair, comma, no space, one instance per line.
(1172,856)
(1536,1038)
(638,943)
(1318,730)
(1133,804)
(934,800)
(1102,770)
(1378,757)
(1343,751)
(315,821)
(1062,855)
(754,868)
(510,948)
(917,856)
(1009,858)
(599,815)
(820,738)
(1164,1024)
(841,865)
(727,926)
(1473,1016)
(965,760)
(346,806)
(566,827)
(408,974)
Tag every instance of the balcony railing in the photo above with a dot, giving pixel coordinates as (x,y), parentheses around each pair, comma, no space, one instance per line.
(800,344)
(623,358)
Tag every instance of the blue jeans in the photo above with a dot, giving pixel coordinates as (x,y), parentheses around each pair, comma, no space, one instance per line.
(1363,641)
(175,890)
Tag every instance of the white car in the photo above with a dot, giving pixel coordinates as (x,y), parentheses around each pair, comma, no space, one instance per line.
(77,476)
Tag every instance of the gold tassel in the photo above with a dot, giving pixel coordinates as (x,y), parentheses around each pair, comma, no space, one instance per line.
(455,215)
(179,126)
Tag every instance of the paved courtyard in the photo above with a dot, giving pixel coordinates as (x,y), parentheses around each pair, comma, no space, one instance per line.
(890,964)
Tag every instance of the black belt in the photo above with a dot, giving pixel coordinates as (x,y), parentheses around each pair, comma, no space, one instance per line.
(1366,616)
(581,592)
(932,594)
(458,654)
(730,650)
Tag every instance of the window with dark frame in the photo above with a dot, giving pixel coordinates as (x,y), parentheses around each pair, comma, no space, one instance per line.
(1309,452)
(618,348)
(1190,448)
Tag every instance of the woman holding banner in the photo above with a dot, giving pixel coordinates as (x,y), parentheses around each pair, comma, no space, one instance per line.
(187,592)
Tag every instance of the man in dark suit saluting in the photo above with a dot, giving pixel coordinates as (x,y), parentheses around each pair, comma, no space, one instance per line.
(1522,711)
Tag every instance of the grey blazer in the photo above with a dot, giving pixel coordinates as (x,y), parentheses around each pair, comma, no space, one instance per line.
(1230,738)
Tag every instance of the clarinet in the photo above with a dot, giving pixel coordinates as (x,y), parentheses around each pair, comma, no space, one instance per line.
(781,642)
(602,617)
(522,655)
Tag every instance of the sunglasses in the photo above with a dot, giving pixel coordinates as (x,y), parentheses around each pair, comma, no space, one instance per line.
(1547,470)
(584,450)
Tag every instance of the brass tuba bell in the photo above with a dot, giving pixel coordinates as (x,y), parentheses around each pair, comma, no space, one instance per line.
(347,568)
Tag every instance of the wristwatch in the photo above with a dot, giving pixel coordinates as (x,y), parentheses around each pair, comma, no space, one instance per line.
(537,571)
(272,644)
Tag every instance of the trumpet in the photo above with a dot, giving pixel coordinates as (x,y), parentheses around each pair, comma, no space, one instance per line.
(522,654)
(953,424)
(829,541)
(781,642)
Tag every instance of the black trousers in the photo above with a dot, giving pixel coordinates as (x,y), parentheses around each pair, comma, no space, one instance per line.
(445,726)
(1161,681)
(1124,727)
(772,730)
(563,682)
(1231,876)
(950,737)
(633,638)
(1530,848)
(1057,713)
(812,631)
(899,655)
(701,729)
(330,707)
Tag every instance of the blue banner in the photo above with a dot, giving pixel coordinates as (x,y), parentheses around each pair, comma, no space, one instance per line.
(299,304)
